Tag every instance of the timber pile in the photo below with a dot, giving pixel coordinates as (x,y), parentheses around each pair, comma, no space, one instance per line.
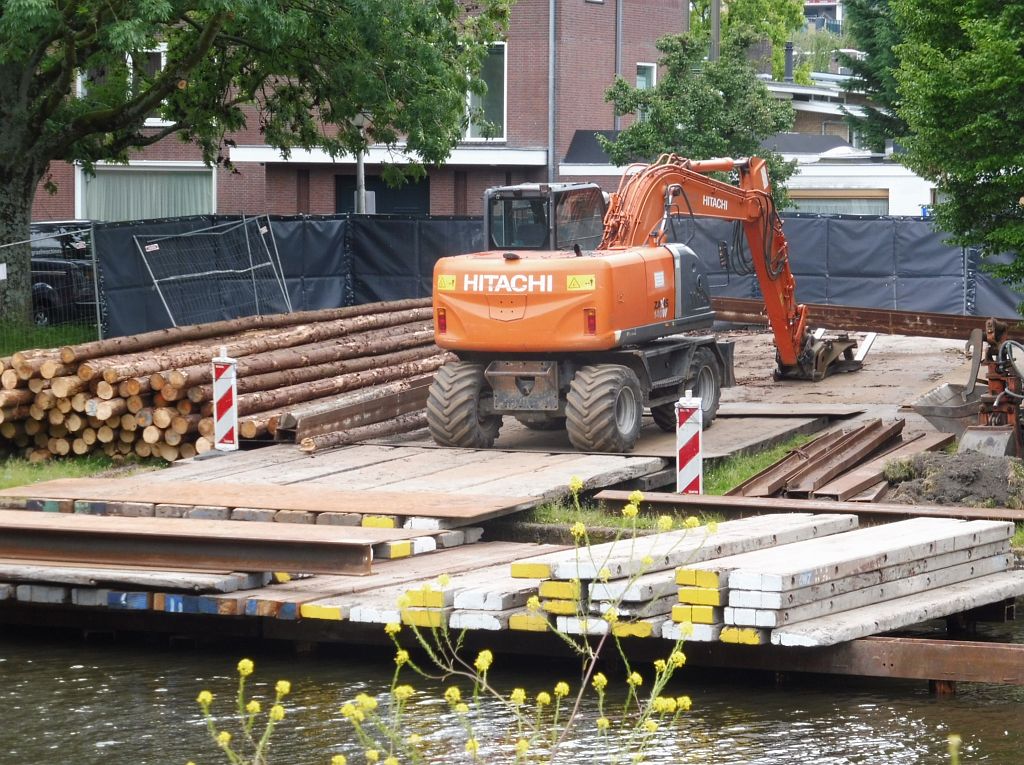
(150,394)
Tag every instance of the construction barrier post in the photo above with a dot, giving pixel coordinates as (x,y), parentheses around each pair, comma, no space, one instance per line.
(689,430)
(225,403)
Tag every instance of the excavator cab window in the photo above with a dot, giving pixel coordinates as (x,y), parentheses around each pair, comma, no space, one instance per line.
(579,218)
(519,223)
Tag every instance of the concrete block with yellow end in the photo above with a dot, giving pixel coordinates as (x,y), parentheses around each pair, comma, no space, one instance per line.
(526,569)
(561,607)
(431,595)
(704,596)
(527,621)
(558,589)
(426,617)
(381,522)
(401,548)
(701,577)
(643,628)
(745,636)
(325,611)
(697,614)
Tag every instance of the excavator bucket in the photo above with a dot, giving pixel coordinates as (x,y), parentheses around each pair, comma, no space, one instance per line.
(821,358)
(992,440)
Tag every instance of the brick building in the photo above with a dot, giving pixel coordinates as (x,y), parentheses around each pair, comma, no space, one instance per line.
(545,83)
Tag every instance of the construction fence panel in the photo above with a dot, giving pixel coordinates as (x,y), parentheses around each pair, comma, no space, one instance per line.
(331,261)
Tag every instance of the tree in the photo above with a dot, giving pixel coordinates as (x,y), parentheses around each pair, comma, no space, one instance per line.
(73,85)
(702,109)
(961,75)
(874,31)
(771,20)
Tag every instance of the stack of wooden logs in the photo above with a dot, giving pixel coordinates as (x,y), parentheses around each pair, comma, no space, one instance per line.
(150,394)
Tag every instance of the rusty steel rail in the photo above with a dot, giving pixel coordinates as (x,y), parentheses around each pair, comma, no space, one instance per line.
(170,543)
(853,319)
(936,659)
(737,505)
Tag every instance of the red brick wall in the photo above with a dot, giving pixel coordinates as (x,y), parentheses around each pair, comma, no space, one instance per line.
(59,206)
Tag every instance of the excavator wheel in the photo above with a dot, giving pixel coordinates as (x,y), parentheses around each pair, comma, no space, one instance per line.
(704,382)
(453,407)
(541,421)
(603,409)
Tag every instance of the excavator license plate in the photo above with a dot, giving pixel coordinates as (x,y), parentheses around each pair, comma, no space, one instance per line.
(523,385)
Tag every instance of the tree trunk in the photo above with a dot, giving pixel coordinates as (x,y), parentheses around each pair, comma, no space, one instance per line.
(19,177)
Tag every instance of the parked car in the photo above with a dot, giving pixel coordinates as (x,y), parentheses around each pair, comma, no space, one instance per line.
(63,286)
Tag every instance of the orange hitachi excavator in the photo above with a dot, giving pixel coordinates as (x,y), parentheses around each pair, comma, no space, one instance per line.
(573,317)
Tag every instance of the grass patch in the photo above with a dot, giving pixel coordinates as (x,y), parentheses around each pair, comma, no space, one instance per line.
(1017,540)
(730,472)
(14,339)
(19,472)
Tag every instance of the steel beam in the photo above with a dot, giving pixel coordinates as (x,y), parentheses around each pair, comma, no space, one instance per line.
(853,319)
(173,543)
(904,658)
(752,505)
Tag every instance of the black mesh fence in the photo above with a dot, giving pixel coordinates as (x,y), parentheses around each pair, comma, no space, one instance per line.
(331,261)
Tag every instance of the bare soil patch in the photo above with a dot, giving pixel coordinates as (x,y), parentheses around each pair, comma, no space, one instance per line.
(967,479)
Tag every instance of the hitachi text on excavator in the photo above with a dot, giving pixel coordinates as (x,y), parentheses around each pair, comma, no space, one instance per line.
(574,316)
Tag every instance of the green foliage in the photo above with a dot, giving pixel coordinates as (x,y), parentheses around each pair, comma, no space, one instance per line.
(873,28)
(898,471)
(701,109)
(813,50)
(722,475)
(960,78)
(19,338)
(747,21)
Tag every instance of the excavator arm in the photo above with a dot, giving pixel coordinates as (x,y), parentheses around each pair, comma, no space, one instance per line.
(649,195)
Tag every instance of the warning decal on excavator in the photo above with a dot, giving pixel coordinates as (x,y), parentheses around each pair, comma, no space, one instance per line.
(445,283)
(581,283)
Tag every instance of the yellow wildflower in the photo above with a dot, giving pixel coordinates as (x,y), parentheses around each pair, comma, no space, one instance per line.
(413,739)
(575,484)
(283,688)
(462,708)
(691,522)
(392,628)
(245,667)
(543,699)
(578,530)
(391,761)
(253,707)
(404,601)
(483,662)
(611,615)
(205,698)
(604,574)
(659,665)
(635,679)
(636,497)
(603,723)
(600,682)
(472,746)
(533,603)
(630,511)
(223,739)
(339,759)
(650,726)
(678,659)
(365,702)
(712,526)
(444,580)
(277,713)
(518,696)
(686,629)
(683,703)
(665,523)
(647,560)
(372,755)
(561,690)
(522,747)
(401,657)
(348,711)
(404,692)
(453,695)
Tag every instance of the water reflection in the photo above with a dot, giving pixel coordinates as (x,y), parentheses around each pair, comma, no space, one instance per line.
(118,704)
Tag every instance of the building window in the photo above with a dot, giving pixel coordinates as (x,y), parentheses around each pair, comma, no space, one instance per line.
(139,192)
(487,112)
(840,201)
(145,65)
(646,79)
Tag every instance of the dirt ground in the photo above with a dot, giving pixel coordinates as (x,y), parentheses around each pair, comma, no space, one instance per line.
(896,372)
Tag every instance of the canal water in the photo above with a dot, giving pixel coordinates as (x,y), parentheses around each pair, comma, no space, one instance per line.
(65,700)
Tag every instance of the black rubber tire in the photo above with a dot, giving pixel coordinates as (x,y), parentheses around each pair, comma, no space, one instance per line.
(453,407)
(603,409)
(548,423)
(704,382)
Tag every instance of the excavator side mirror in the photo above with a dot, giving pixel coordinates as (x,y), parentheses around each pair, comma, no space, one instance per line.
(723,255)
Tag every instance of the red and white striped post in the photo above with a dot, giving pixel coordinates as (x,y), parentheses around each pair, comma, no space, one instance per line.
(689,430)
(225,403)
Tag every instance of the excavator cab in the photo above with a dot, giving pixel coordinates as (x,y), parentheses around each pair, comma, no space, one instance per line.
(544,216)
